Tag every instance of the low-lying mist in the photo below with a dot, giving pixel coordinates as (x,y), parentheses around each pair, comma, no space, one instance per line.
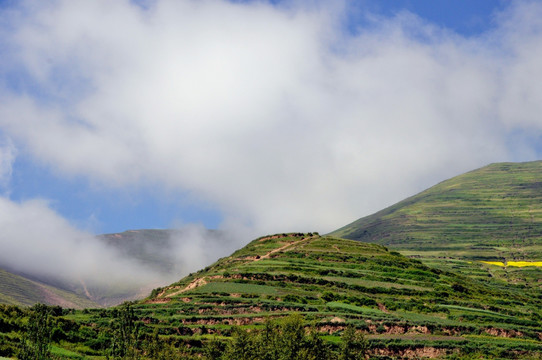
(38,243)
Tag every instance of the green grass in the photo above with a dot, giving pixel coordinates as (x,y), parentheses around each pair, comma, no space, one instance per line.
(370,287)
(353,308)
(234,288)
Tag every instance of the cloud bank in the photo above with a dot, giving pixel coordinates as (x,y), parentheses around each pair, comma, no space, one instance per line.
(276,114)
(39,243)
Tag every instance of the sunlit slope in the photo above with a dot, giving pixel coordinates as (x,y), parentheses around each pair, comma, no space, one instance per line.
(18,290)
(332,281)
(493,213)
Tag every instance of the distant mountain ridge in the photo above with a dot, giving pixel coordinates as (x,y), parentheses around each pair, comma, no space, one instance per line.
(153,249)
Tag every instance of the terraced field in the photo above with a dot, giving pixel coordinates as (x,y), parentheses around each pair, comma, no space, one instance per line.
(401,303)
(404,307)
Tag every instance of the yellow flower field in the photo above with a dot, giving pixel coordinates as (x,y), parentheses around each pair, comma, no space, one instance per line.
(514,263)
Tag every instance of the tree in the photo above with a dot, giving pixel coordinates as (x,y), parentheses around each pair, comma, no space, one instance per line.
(213,350)
(354,345)
(126,334)
(315,348)
(242,346)
(285,339)
(291,335)
(36,342)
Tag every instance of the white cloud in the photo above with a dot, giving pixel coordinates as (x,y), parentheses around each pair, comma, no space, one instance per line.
(272,113)
(36,240)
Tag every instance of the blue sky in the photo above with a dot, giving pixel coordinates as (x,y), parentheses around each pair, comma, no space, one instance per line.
(244,114)
(467,18)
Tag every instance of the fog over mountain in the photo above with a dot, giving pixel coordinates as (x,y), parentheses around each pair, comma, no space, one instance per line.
(40,244)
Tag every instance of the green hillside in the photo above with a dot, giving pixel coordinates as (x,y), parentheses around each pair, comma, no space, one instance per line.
(18,290)
(404,307)
(332,281)
(491,214)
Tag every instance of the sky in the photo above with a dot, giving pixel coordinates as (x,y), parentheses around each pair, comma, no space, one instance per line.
(253,117)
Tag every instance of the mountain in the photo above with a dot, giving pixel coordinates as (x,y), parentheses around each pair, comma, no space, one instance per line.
(157,248)
(20,290)
(497,207)
(406,308)
(493,214)
(150,247)
(154,252)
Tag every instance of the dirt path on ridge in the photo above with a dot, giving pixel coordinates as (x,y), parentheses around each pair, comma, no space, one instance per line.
(266,256)
(194,284)
(202,281)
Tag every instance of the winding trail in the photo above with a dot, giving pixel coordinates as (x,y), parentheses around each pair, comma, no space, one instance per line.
(284,247)
(202,281)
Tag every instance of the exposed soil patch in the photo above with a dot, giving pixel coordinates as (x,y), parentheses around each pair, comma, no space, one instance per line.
(232,321)
(422,352)
(194,284)
(52,298)
(158,301)
(504,333)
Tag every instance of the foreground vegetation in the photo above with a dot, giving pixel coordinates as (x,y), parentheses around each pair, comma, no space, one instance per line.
(323,288)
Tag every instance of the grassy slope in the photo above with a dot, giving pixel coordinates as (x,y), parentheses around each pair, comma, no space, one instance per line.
(17,290)
(493,213)
(405,307)
(334,281)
